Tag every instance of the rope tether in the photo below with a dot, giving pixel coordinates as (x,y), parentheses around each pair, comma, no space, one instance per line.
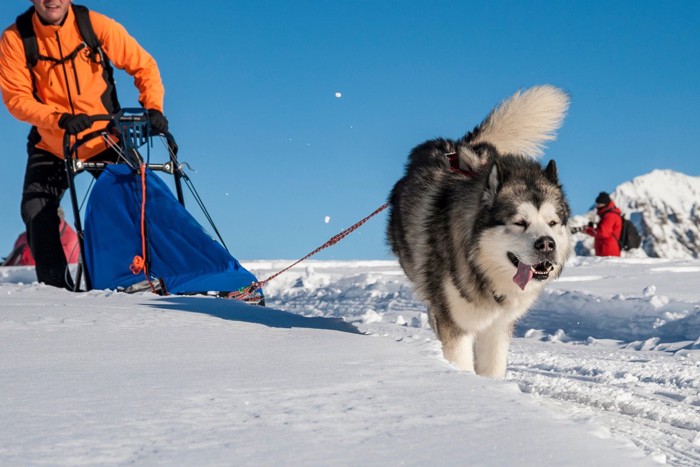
(245,293)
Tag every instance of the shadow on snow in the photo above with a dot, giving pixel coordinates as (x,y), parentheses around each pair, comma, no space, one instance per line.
(237,311)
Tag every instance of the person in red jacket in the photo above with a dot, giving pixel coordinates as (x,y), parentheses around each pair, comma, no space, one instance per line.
(607,232)
(58,95)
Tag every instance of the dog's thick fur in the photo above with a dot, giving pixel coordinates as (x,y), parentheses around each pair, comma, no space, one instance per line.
(480,245)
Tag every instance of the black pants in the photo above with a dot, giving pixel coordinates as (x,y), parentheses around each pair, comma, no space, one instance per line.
(45,182)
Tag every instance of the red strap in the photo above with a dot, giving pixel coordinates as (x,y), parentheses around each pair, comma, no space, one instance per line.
(454,165)
(139,263)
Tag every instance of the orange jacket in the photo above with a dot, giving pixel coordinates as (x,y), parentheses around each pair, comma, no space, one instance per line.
(52,88)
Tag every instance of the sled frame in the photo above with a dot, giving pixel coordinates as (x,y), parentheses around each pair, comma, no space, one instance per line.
(131,127)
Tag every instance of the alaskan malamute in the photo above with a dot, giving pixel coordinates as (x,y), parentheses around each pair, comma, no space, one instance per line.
(479,227)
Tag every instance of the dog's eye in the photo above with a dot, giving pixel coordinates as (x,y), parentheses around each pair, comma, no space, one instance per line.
(522,224)
(552,223)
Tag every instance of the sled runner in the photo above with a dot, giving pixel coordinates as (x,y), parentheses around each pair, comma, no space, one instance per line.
(137,234)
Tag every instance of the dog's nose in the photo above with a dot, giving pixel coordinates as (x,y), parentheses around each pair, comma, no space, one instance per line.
(545,244)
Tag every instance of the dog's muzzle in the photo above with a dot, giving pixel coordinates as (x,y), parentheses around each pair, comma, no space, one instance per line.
(525,272)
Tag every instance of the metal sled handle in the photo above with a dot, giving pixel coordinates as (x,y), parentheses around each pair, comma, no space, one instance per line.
(124,115)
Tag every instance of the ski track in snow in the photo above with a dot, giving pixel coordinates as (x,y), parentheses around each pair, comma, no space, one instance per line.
(649,397)
(629,363)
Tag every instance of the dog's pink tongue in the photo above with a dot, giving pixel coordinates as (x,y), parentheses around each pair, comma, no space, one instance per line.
(523,275)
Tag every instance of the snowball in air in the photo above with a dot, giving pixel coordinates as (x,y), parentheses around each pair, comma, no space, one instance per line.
(338,95)
(327,219)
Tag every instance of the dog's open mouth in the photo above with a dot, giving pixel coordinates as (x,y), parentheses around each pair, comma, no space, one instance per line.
(527,272)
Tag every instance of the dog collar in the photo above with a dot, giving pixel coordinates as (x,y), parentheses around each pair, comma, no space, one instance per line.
(453,158)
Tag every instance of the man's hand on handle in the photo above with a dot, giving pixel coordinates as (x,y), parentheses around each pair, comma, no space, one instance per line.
(157,120)
(74,124)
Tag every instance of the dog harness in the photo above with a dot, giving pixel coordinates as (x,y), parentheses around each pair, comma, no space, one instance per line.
(453,159)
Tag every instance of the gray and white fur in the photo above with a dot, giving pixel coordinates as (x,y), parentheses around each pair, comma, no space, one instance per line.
(479,246)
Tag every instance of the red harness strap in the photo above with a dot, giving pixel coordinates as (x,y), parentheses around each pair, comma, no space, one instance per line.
(454,165)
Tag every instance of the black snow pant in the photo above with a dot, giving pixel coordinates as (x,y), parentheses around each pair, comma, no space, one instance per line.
(45,182)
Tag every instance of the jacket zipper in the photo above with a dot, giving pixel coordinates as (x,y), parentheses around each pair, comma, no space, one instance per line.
(65,75)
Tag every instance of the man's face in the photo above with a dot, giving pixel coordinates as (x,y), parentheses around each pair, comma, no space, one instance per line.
(51,11)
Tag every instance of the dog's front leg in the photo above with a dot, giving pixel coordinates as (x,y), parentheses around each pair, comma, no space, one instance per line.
(457,346)
(459,350)
(491,349)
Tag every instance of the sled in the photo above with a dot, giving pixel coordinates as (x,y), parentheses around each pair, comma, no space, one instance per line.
(137,235)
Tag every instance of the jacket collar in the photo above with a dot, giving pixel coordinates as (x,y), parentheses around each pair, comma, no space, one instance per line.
(610,207)
(44,31)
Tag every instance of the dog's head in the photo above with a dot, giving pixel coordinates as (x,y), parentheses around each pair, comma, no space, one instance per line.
(522,225)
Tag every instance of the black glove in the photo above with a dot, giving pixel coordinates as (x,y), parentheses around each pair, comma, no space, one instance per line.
(157,120)
(74,124)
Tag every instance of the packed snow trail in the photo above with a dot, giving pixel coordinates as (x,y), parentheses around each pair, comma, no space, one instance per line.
(615,341)
(112,379)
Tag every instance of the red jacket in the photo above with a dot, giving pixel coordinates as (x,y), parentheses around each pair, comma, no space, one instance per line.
(607,233)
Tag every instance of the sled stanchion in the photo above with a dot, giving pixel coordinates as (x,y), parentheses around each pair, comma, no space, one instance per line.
(245,293)
(177,173)
(70,172)
(70,175)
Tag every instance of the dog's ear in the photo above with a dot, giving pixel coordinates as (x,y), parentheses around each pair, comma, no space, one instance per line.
(551,172)
(493,182)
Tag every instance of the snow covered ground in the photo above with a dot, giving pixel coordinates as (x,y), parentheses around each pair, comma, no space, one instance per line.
(341,368)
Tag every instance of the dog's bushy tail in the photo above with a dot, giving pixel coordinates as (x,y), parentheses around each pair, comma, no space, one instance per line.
(524,122)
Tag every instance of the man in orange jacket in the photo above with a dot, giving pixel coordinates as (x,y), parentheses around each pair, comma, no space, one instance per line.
(58,94)
(607,232)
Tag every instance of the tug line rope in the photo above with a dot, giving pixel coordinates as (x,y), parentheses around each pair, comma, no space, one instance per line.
(249,293)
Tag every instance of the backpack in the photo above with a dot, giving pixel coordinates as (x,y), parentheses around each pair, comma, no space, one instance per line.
(21,254)
(90,40)
(629,236)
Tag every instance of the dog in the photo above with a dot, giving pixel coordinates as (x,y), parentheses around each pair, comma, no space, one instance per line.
(479,227)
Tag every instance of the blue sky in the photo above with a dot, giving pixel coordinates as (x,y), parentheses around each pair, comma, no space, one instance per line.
(251,97)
